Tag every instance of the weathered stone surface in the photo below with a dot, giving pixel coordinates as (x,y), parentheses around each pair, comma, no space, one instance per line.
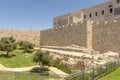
(20,35)
(106,37)
(75,34)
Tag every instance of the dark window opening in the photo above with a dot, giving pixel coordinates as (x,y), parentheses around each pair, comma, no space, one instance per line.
(96,14)
(102,12)
(90,15)
(111,10)
(84,16)
(110,5)
(55,23)
(117,1)
(117,11)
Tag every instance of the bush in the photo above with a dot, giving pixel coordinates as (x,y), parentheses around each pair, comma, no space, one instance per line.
(42,58)
(26,46)
(7,45)
(56,63)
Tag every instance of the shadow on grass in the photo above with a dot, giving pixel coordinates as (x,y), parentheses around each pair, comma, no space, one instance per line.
(5,56)
(42,71)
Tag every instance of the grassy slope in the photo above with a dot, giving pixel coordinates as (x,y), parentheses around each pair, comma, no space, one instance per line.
(26,76)
(17,60)
(115,75)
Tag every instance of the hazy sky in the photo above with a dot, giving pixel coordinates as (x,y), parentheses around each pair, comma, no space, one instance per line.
(38,14)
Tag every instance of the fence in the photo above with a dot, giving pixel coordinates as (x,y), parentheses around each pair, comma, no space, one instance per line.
(95,73)
(26,76)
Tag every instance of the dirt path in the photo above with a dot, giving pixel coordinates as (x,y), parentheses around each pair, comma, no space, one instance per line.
(53,69)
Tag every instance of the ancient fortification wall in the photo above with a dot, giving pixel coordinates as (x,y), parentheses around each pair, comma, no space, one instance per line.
(19,35)
(106,36)
(102,36)
(60,36)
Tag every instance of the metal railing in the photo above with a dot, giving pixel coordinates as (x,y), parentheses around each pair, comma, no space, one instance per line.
(93,73)
(26,76)
(96,72)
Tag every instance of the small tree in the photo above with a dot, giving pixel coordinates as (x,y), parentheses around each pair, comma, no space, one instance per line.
(7,45)
(42,58)
(46,59)
(26,46)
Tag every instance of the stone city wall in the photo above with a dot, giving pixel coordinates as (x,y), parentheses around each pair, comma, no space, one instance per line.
(106,36)
(22,35)
(67,35)
(102,36)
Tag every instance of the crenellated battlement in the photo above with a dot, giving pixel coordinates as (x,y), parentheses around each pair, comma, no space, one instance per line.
(100,36)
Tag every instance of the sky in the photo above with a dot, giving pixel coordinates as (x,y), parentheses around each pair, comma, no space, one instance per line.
(38,14)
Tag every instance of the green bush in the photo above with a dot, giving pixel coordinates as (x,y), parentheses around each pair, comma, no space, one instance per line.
(26,46)
(7,45)
(56,63)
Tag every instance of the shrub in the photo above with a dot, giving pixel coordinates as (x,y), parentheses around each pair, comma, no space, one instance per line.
(26,46)
(56,63)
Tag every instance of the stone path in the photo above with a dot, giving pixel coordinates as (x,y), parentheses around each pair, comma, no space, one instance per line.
(53,69)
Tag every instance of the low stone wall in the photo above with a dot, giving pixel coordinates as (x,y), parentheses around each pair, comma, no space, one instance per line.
(19,35)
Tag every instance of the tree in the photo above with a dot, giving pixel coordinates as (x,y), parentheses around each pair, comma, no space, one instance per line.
(46,59)
(42,58)
(26,46)
(7,45)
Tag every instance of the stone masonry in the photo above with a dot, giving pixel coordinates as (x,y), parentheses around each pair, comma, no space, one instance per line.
(96,28)
(74,34)
(99,36)
(106,36)
(19,35)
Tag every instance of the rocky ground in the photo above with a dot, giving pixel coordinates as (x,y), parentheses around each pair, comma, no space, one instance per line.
(77,57)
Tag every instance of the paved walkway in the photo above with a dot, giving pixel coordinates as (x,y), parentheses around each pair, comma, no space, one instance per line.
(53,69)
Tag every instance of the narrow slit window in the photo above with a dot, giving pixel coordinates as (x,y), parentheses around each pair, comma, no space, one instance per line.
(96,14)
(90,15)
(84,16)
(111,10)
(103,12)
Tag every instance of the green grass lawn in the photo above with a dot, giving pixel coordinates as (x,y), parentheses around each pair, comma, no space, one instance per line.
(115,75)
(17,60)
(25,76)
